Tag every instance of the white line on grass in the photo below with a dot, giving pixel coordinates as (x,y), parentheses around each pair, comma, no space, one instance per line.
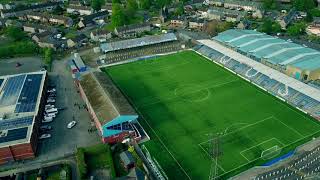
(249,125)
(191,92)
(289,127)
(248,149)
(210,157)
(167,149)
(260,157)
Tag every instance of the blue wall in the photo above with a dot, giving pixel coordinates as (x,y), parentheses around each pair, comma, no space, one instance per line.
(118,120)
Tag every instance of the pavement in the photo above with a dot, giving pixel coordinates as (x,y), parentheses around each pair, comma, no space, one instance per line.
(29,64)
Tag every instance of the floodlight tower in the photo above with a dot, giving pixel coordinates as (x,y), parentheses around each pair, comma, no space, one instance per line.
(215,152)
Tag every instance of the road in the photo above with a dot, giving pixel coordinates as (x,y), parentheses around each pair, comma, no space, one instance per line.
(34,166)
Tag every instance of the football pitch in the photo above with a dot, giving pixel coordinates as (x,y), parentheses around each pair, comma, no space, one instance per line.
(185,101)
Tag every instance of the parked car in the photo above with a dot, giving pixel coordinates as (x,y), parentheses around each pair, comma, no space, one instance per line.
(47,119)
(71,124)
(45,136)
(45,128)
(51,100)
(51,90)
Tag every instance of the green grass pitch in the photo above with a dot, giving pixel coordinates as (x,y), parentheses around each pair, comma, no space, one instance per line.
(183,98)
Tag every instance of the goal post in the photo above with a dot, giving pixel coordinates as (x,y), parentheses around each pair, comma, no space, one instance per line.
(271,152)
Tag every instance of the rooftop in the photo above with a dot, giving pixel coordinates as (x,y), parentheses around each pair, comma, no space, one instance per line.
(138,42)
(19,103)
(105,98)
(272,49)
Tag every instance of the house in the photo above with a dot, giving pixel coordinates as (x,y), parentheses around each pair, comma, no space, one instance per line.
(48,18)
(81,10)
(127,160)
(36,28)
(107,7)
(7,6)
(47,40)
(213,14)
(77,41)
(284,21)
(163,14)
(178,22)
(197,24)
(244,24)
(92,19)
(27,9)
(100,35)
(132,30)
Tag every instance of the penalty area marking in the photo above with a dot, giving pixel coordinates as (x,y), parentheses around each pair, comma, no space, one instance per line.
(248,149)
(249,125)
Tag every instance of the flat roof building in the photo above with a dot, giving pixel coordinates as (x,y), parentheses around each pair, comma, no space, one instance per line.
(20,112)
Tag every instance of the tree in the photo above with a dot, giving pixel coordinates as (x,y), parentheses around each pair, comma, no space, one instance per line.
(117,17)
(48,56)
(116,1)
(97,4)
(276,27)
(309,17)
(15,33)
(162,3)
(131,8)
(267,26)
(269,4)
(296,29)
(179,10)
(145,4)
(304,5)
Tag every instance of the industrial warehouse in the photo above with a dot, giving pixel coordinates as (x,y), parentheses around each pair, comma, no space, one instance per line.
(21,105)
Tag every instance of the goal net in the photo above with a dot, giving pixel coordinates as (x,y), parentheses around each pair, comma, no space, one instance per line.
(271,152)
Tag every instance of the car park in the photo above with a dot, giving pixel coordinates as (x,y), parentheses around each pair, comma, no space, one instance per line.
(45,136)
(71,124)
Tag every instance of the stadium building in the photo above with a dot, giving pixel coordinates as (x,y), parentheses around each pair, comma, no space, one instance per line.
(297,61)
(225,51)
(22,99)
(138,42)
(112,114)
(118,51)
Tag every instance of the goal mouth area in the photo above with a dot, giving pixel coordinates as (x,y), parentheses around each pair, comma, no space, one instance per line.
(271,152)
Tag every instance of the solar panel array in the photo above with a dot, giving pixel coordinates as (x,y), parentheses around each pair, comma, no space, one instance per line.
(14,134)
(11,90)
(29,94)
(14,123)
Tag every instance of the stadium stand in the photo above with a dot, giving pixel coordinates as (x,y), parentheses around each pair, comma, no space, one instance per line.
(114,117)
(297,61)
(306,165)
(22,98)
(132,48)
(293,91)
